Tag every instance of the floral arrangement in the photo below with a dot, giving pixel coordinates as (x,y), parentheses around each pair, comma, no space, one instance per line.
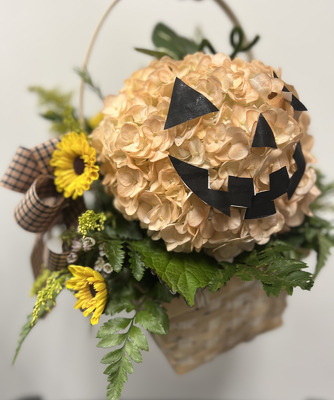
(199,170)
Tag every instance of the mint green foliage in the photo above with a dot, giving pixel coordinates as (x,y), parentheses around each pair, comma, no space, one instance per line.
(169,43)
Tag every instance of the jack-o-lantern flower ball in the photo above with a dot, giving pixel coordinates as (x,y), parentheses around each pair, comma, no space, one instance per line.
(208,153)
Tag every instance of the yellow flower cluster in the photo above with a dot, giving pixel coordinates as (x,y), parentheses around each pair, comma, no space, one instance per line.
(91,221)
(46,296)
(133,149)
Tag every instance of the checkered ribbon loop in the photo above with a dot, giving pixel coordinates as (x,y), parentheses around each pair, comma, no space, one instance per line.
(40,206)
(27,165)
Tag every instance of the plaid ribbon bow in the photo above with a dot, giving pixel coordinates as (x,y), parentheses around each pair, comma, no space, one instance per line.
(42,206)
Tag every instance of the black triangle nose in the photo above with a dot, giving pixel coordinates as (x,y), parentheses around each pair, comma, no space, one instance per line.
(264,136)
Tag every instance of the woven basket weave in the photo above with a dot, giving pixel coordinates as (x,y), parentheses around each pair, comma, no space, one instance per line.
(219,321)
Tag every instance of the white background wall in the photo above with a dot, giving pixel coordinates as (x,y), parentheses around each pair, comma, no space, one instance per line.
(40,43)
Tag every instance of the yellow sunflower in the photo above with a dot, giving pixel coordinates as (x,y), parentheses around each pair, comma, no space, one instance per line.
(75,166)
(91,291)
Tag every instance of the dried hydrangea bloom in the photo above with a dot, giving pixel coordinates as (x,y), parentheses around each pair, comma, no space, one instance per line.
(134,148)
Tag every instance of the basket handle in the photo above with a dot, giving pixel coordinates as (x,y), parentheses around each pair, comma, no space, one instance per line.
(221,3)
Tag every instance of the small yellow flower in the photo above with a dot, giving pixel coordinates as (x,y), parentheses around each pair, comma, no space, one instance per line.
(90,289)
(75,165)
(91,221)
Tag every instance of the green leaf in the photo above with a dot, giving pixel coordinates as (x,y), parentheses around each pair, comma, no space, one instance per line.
(222,276)
(153,53)
(183,273)
(115,306)
(112,326)
(168,41)
(136,264)
(115,253)
(133,352)
(324,249)
(138,338)
(110,340)
(86,77)
(158,312)
(118,377)
(150,322)
(26,328)
(112,357)
(119,365)
(269,264)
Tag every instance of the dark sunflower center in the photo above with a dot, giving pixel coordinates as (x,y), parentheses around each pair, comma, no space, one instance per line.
(92,290)
(79,165)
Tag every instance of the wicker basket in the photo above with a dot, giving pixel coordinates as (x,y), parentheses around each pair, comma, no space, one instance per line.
(219,321)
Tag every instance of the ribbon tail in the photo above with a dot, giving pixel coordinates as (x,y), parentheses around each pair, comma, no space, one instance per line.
(40,205)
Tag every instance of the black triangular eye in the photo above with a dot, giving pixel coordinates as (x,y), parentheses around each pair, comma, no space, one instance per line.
(264,136)
(186,104)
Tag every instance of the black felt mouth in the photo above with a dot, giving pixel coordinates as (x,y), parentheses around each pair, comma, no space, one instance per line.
(240,191)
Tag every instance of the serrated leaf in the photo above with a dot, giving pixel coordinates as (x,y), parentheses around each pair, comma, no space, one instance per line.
(115,253)
(112,326)
(150,322)
(324,249)
(136,264)
(133,352)
(269,264)
(114,339)
(159,313)
(118,378)
(222,276)
(183,273)
(112,357)
(115,306)
(138,338)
